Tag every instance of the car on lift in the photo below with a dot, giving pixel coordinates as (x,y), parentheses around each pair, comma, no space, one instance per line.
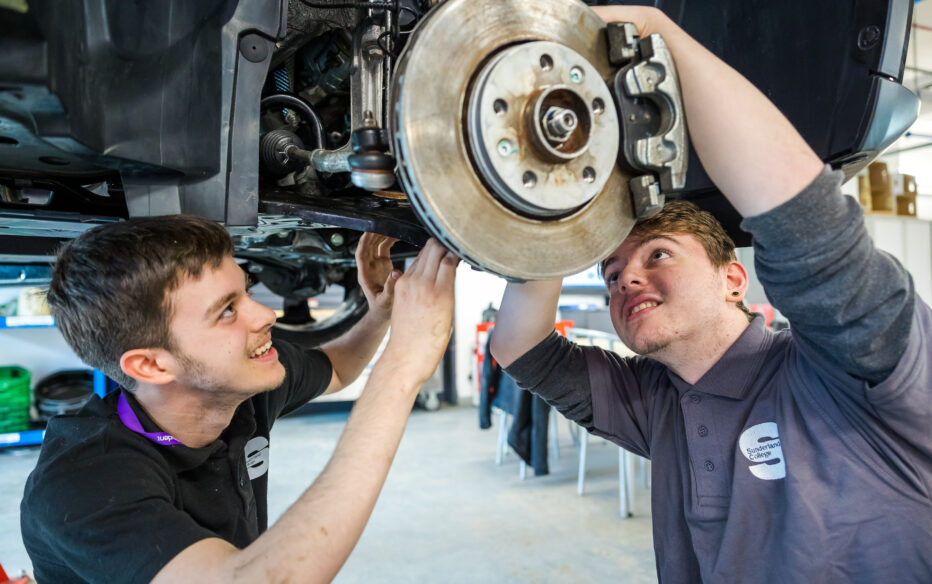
(526,135)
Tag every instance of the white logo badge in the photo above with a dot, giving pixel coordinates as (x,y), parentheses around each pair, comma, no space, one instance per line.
(257,457)
(760,444)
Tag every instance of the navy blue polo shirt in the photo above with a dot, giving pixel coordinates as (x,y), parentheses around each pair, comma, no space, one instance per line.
(105,504)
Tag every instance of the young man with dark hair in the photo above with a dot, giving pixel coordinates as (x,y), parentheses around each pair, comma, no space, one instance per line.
(166,480)
(803,456)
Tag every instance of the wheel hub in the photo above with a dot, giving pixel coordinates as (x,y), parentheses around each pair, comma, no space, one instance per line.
(539,131)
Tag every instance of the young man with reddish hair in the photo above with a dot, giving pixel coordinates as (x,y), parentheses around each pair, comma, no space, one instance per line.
(803,456)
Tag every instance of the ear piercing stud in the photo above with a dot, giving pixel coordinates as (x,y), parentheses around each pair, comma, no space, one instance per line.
(735,292)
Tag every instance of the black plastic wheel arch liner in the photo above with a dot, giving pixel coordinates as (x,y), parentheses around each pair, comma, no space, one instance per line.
(833,68)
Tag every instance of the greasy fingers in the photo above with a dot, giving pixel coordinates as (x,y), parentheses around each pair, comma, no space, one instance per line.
(422,316)
(374,264)
(385,246)
(446,272)
(373,245)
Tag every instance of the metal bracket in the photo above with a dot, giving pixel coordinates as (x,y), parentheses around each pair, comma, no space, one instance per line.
(646,196)
(650,107)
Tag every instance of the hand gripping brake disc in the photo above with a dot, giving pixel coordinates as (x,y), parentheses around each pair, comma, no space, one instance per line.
(507,135)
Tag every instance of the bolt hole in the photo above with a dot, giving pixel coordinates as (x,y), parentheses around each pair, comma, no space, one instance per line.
(4,140)
(598,106)
(500,107)
(546,62)
(54,160)
(529,179)
(588,174)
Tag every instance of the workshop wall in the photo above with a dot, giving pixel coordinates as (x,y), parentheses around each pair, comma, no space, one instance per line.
(474,292)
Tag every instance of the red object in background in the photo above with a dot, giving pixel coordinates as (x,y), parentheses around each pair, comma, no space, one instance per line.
(766,310)
(482,332)
(4,579)
(562,326)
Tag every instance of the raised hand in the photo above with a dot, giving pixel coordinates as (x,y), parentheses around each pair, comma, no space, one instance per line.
(422,317)
(377,276)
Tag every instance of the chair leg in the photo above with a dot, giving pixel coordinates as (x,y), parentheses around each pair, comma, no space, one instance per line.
(522,470)
(502,436)
(574,432)
(581,475)
(645,476)
(554,438)
(624,494)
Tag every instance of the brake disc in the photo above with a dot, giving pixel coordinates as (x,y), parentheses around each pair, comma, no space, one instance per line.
(506,135)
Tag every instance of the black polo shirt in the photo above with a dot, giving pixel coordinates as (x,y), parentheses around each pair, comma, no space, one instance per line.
(105,504)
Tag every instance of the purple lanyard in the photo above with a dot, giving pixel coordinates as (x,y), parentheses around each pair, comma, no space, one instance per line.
(129,419)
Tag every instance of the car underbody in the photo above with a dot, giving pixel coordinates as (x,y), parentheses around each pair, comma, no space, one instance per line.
(527,136)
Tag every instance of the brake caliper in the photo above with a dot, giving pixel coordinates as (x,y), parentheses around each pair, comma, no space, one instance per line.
(650,109)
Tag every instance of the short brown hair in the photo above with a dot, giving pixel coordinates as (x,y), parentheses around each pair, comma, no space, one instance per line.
(680,216)
(110,289)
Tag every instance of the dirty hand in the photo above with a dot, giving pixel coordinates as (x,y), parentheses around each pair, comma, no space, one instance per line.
(377,276)
(422,317)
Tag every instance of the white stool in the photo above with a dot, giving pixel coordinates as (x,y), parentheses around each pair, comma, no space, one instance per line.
(625,479)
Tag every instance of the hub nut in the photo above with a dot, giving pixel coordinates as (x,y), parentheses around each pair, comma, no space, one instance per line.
(558,123)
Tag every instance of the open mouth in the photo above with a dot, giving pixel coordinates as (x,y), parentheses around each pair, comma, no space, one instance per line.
(263,351)
(642,308)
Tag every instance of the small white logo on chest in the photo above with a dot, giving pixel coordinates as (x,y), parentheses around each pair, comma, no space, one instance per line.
(257,457)
(760,444)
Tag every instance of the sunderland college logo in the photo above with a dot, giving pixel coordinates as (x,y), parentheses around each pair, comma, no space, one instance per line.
(760,444)
(257,457)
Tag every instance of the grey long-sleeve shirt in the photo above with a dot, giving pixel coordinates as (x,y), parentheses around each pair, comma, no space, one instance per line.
(802,456)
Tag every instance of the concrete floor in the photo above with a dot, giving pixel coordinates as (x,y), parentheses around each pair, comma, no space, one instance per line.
(447,513)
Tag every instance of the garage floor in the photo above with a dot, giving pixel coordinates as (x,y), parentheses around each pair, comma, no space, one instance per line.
(447,513)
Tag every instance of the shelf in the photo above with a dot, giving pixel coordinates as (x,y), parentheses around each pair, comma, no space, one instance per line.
(34,437)
(24,438)
(15,322)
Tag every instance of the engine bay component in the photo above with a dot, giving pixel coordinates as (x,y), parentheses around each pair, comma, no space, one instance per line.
(373,168)
(275,152)
(510,160)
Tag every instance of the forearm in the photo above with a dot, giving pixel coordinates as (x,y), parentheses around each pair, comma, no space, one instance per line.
(312,540)
(747,146)
(525,318)
(351,352)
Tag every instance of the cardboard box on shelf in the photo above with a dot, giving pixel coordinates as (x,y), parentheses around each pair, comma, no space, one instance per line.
(906,205)
(903,184)
(864,192)
(881,187)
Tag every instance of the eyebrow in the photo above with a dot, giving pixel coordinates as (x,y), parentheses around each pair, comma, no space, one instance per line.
(225,299)
(607,261)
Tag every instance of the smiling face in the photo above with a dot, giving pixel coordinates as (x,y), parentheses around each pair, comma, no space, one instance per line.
(665,294)
(222,337)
